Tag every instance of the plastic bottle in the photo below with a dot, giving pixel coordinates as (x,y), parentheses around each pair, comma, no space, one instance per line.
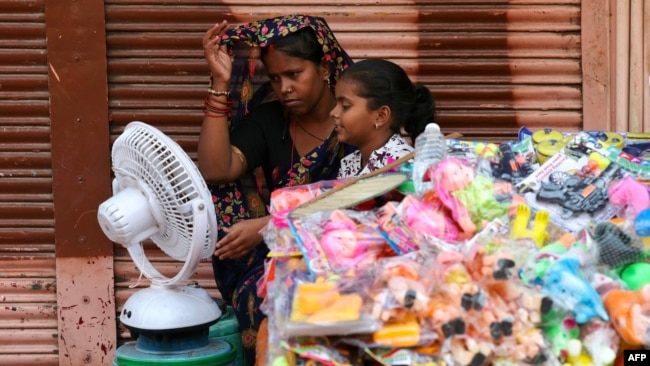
(430,148)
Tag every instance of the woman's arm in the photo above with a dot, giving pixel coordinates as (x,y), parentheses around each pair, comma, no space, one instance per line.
(216,160)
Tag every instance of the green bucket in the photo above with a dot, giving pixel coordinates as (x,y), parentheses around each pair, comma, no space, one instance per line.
(227,329)
(216,353)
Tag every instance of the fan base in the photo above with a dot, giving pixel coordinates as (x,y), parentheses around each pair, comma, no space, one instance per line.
(215,352)
(169,309)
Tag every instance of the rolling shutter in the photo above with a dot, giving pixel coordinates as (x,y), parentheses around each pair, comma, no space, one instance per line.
(492,68)
(28,318)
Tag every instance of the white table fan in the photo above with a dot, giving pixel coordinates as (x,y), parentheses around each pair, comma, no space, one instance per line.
(159,194)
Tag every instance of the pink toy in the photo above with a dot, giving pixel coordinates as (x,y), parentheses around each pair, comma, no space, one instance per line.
(630,192)
(470,197)
(425,220)
(346,244)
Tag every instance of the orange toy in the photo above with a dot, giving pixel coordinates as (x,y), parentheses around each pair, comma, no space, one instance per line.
(628,311)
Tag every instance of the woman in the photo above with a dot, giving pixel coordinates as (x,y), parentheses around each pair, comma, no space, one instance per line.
(375,101)
(290,138)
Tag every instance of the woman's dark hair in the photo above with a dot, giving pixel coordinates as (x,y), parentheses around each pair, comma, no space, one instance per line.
(301,44)
(383,82)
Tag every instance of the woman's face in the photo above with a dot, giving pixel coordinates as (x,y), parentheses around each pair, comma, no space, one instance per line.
(353,121)
(299,84)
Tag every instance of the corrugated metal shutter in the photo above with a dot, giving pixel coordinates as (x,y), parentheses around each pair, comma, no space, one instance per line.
(28,318)
(492,68)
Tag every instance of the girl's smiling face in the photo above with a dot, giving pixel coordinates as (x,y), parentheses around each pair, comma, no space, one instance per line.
(353,120)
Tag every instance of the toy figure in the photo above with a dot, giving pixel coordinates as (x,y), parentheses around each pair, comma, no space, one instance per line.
(426,220)
(629,313)
(498,277)
(630,192)
(565,286)
(537,233)
(395,230)
(470,197)
(510,167)
(512,311)
(342,244)
(469,352)
(559,329)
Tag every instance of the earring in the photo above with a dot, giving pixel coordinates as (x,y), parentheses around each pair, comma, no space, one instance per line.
(329,83)
(376,126)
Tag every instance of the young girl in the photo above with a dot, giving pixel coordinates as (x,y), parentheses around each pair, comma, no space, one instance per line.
(375,101)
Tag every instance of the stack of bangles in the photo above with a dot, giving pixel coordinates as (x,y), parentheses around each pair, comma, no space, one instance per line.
(217,108)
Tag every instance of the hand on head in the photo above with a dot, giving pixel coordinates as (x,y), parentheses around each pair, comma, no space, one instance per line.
(217,56)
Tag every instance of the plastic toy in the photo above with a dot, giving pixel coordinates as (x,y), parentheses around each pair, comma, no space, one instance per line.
(629,311)
(469,197)
(548,148)
(615,247)
(576,355)
(636,275)
(425,220)
(519,226)
(566,286)
(601,341)
(393,228)
(559,329)
(630,192)
(642,226)
(340,243)
(469,352)
(579,195)
(509,167)
(545,135)
(404,332)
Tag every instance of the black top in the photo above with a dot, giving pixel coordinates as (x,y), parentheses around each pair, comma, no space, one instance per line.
(263,137)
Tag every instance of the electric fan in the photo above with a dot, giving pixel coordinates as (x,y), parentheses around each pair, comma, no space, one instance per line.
(159,194)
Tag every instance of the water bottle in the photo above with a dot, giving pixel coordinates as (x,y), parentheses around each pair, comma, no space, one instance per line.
(430,148)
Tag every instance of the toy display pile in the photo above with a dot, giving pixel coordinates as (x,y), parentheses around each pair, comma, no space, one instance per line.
(531,252)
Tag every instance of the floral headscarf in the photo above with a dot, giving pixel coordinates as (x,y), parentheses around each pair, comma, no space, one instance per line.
(262,33)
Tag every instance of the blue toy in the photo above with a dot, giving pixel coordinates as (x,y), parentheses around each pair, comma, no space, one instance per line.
(565,286)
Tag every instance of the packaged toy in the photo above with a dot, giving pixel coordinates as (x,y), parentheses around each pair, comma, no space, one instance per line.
(572,189)
(468,196)
(339,241)
(566,286)
(630,314)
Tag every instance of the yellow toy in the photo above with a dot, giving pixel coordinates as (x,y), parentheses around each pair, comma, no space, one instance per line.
(519,228)
(405,332)
(321,302)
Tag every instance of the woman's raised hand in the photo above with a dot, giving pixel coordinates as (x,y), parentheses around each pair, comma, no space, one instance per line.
(217,56)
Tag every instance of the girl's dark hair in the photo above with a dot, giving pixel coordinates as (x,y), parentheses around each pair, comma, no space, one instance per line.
(382,82)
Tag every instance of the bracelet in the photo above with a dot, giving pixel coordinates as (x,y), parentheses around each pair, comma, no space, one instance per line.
(219,93)
(227,103)
(216,111)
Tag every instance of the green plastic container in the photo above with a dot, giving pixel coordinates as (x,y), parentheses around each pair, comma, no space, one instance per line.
(227,329)
(216,353)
